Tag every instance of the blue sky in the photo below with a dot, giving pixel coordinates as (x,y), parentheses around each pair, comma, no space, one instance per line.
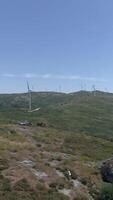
(56,43)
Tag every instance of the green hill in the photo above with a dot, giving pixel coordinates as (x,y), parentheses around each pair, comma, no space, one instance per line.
(82,112)
(36,162)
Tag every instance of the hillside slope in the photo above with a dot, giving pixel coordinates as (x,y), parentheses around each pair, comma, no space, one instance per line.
(81,112)
(61,160)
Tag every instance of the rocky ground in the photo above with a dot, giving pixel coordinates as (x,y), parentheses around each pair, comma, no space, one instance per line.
(40,160)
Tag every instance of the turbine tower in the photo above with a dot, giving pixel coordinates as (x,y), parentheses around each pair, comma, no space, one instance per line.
(94,90)
(29,95)
(30,100)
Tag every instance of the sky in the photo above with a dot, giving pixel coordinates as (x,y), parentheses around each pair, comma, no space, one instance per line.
(57,45)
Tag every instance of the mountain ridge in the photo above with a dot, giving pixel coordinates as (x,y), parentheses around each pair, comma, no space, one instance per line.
(84,112)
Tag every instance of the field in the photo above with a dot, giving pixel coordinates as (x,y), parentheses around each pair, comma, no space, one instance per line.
(58,156)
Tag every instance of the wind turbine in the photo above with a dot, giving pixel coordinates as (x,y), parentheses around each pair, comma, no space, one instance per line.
(30,99)
(60,88)
(29,95)
(94,90)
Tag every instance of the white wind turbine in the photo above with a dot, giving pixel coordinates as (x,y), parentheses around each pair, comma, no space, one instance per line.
(30,99)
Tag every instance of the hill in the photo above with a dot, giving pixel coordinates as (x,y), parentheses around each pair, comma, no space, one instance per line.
(59,154)
(82,112)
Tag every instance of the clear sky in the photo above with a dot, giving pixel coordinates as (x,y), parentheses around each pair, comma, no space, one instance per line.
(56,44)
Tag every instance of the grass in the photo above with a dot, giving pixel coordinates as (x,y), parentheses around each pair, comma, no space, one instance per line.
(79,135)
(54,145)
(80,112)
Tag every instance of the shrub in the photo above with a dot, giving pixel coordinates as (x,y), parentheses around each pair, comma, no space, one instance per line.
(3,164)
(22,185)
(106,192)
(4,184)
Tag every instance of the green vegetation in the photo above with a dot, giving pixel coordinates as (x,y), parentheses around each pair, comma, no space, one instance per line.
(106,192)
(80,112)
(77,135)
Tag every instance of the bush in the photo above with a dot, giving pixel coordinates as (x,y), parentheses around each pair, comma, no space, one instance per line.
(106,192)
(5,184)
(22,185)
(3,164)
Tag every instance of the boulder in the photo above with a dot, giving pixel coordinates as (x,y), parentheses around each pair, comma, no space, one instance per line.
(42,124)
(107,170)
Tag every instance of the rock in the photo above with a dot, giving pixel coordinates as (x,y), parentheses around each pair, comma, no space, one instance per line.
(24,123)
(107,171)
(42,124)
